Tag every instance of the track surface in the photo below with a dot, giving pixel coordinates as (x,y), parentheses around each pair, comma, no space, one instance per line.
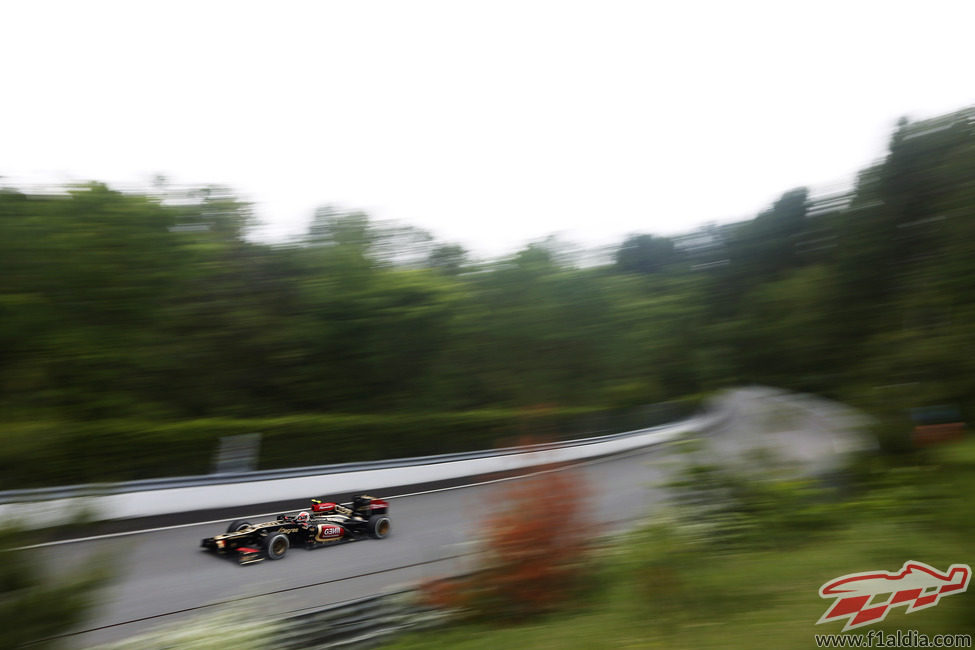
(164,576)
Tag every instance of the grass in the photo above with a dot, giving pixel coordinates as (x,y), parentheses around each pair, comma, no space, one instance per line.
(669,586)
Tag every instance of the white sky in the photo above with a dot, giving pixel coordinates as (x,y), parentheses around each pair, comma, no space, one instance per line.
(487,123)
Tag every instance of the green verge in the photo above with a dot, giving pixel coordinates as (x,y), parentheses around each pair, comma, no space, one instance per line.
(670,586)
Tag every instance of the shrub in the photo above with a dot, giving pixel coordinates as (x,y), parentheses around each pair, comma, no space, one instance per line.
(768,506)
(36,606)
(534,551)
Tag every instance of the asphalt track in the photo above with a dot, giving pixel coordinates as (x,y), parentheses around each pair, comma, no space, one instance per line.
(164,577)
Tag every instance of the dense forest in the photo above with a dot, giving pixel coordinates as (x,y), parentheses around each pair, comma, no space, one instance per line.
(118,308)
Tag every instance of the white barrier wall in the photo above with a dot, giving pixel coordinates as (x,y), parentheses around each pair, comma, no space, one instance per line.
(184,499)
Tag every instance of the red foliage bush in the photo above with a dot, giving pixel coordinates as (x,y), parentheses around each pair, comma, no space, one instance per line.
(534,546)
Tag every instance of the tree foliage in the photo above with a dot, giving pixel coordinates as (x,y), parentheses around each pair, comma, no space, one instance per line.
(159,307)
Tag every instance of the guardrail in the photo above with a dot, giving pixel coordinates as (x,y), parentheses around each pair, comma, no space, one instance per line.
(361,622)
(34,494)
(153,497)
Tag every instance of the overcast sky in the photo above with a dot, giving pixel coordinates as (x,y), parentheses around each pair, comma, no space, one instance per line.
(487,123)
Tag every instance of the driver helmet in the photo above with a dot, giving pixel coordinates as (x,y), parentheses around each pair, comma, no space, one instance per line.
(303,517)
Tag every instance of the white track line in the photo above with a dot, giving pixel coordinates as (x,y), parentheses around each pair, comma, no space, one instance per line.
(129,533)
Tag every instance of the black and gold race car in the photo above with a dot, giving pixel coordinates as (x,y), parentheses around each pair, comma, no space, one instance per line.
(324,523)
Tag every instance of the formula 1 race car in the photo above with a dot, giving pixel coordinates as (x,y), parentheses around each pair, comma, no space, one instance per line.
(326,523)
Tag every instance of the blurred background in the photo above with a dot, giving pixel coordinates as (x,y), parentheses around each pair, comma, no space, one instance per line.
(383,233)
(150,319)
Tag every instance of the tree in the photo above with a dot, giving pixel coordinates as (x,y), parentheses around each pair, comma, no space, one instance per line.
(645,254)
(449,259)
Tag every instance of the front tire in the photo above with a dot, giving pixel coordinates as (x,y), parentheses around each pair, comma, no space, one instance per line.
(276,545)
(237,524)
(379,526)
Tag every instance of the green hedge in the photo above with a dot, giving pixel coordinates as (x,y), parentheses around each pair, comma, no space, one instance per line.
(38,454)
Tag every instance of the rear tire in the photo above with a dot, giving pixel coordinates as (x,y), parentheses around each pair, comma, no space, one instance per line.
(276,545)
(237,524)
(379,526)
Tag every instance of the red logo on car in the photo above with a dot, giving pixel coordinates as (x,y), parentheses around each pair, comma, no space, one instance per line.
(326,532)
